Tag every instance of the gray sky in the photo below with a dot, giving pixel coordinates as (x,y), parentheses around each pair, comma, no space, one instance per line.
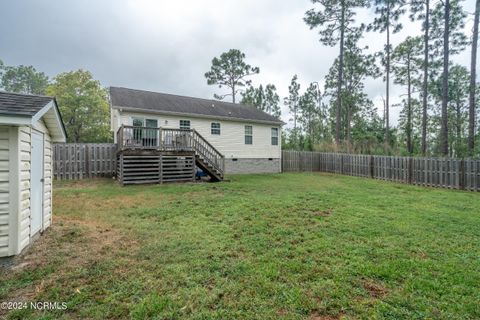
(167,46)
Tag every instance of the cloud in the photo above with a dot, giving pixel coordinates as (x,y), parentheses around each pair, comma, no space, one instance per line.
(167,46)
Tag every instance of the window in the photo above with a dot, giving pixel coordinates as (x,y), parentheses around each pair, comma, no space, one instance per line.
(144,136)
(215,128)
(137,132)
(141,122)
(150,133)
(184,124)
(274,136)
(248,135)
(137,122)
(151,123)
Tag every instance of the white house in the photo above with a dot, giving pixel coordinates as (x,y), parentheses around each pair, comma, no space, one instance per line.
(248,138)
(28,126)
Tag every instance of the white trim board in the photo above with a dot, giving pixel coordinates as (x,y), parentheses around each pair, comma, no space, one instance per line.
(195,115)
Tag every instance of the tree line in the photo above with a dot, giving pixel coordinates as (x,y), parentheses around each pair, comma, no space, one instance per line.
(439,104)
(82,101)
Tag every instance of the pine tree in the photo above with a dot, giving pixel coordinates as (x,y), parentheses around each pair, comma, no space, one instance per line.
(335,19)
(310,118)
(389,12)
(405,66)
(448,21)
(357,67)
(272,101)
(230,70)
(458,109)
(292,103)
(473,66)
(420,9)
(266,99)
(446,52)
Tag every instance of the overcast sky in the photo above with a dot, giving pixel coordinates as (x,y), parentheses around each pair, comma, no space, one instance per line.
(167,46)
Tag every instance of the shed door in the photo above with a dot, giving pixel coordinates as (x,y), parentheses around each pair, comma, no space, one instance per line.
(36,191)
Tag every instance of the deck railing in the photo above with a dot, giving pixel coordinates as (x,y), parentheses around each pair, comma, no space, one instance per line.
(176,139)
(132,137)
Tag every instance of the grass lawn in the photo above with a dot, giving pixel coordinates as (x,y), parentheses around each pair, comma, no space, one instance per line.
(287,246)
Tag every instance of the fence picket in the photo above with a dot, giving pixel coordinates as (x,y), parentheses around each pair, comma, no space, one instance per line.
(435,172)
(84,160)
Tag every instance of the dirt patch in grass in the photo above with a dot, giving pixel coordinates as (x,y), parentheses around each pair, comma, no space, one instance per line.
(83,183)
(317,316)
(323,213)
(375,289)
(68,245)
(84,239)
(80,203)
(87,203)
(420,254)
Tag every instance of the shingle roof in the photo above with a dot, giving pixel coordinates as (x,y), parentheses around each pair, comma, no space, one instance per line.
(169,103)
(21,104)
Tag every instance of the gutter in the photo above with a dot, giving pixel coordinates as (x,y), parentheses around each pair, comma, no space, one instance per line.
(196,115)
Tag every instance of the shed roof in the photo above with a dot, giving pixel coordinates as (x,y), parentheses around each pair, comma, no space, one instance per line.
(146,101)
(26,109)
(21,104)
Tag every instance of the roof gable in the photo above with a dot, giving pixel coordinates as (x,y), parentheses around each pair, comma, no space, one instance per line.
(169,103)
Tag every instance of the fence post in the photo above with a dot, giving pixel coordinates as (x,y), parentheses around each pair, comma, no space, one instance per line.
(282,153)
(87,162)
(341,164)
(410,170)
(372,167)
(462,174)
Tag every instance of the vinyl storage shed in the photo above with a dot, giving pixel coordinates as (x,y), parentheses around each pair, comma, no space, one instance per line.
(28,127)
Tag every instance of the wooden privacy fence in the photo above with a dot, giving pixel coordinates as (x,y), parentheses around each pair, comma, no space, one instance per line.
(435,172)
(84,160)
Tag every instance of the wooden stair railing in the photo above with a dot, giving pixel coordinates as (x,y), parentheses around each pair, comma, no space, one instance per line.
(208,154)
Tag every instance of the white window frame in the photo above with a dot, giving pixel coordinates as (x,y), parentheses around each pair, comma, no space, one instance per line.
(249,134)
(138,118)
(144,120)
(274,136)
(219,128)
(180,124)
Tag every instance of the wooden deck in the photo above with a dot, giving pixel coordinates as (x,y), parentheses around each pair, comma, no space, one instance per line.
(159,155)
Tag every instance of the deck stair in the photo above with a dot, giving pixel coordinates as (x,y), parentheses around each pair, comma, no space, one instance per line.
(157,155)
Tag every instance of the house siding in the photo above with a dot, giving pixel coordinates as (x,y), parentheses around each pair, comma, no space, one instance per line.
(230,142)
(15,187)
(24,149)
(4,190)
(48,184)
